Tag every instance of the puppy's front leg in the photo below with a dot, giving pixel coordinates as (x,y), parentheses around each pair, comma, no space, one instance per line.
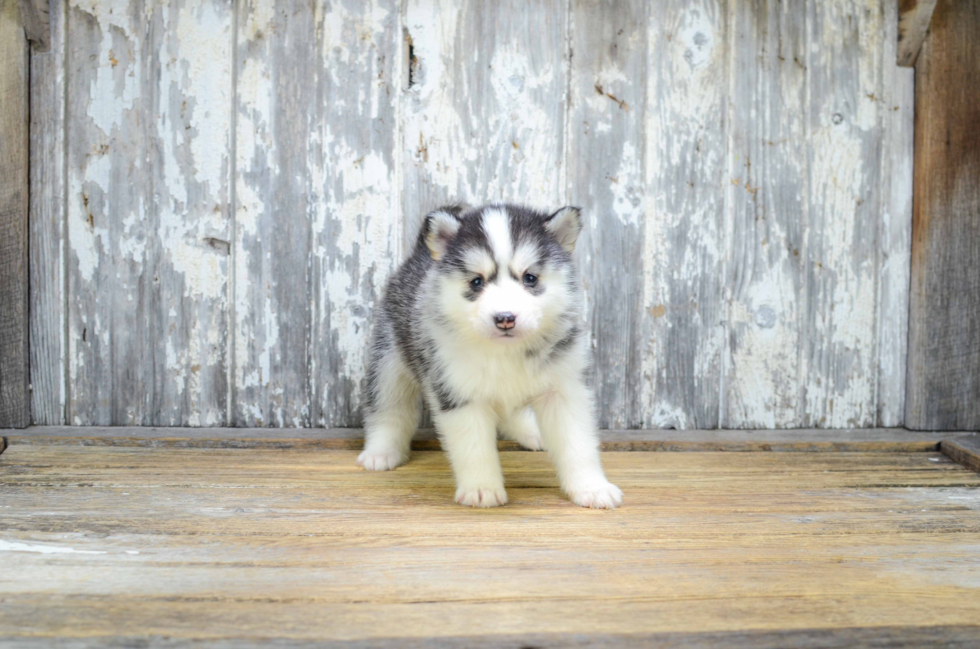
(469,435)
(566,418)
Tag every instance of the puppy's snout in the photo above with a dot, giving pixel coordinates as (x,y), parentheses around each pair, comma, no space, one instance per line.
(505,320)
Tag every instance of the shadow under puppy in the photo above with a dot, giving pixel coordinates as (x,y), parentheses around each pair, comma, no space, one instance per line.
(482,322)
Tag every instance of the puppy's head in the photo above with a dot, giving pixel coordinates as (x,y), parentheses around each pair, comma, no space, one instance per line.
(504,271)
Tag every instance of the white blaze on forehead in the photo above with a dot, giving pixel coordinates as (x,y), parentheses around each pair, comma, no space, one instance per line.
(497,226)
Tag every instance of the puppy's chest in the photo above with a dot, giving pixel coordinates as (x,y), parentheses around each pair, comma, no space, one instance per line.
(503,378)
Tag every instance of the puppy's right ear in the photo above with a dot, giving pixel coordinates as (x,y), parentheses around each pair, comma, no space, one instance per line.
(440,227)
(565,225)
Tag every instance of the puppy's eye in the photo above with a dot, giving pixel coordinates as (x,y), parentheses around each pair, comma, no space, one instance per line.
(476,283)
(530,280)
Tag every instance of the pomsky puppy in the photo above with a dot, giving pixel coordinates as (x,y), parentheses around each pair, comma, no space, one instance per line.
(482,322)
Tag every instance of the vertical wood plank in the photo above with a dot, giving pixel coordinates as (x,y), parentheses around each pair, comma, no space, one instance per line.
(606,177)
(107,218)
(767,204)
(897,113)
(14,189)
(943,390)
(485,106)
(188,155)
(841,247)
(684,232)
(275,110)
(357,225)
(148,114)
(47,227)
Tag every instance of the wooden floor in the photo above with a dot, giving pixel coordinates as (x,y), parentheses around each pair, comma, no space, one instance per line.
(115,545)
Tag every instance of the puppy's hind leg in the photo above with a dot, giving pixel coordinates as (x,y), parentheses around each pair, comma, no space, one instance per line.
(392,412)
(521,427)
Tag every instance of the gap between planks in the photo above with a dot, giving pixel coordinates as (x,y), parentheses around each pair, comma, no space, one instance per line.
(887,440)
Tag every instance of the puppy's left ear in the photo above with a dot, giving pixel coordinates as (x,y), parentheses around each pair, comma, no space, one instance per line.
(565,225)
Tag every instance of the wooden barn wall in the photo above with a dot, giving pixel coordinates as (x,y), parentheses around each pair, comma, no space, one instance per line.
(219,189)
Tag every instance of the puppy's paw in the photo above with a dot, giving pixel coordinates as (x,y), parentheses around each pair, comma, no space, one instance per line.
(381,460)
(603,495)
(481,497)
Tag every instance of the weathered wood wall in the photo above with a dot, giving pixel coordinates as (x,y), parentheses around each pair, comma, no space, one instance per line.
(221,187)
(14,188)
(944,321)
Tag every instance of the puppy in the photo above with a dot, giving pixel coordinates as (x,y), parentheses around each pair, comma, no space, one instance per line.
(482,321)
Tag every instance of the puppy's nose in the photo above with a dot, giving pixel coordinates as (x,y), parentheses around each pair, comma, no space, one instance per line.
(505,320)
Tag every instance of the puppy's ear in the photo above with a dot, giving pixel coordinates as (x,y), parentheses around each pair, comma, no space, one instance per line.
(440,227)
(565,225)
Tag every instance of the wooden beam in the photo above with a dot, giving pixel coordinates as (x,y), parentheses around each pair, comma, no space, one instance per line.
(964,450)
(885,440)
(913,25)
(943,376)
(14,131)
(37,23)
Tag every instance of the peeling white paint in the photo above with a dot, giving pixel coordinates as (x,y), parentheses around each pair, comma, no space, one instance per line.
(120,82)
(682,271)
(484,120)
(628,187)
(764,363)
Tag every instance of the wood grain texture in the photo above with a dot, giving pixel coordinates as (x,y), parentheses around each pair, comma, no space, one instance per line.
(37,23)
(914,17)
(768,190)
(606,178)
(189,163)
(684,232)
(104,151)
(958,636)
(943,389)
(48,239)
(484,105)
(965,450)
(276,104)
(241,177)
(241,546)
(148,112)
(357,225)
(897,115)
(14,189)
(894,440)
(107,222)
(839,364)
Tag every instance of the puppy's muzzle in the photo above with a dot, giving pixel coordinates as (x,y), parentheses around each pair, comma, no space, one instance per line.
(505,320)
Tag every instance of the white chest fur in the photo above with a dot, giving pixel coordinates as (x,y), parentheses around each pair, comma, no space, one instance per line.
(500,375)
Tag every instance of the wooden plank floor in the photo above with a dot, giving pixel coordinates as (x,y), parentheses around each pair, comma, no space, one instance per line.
(115,545)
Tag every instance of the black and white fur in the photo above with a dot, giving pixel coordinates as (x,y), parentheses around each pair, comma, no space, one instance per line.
(483,322)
